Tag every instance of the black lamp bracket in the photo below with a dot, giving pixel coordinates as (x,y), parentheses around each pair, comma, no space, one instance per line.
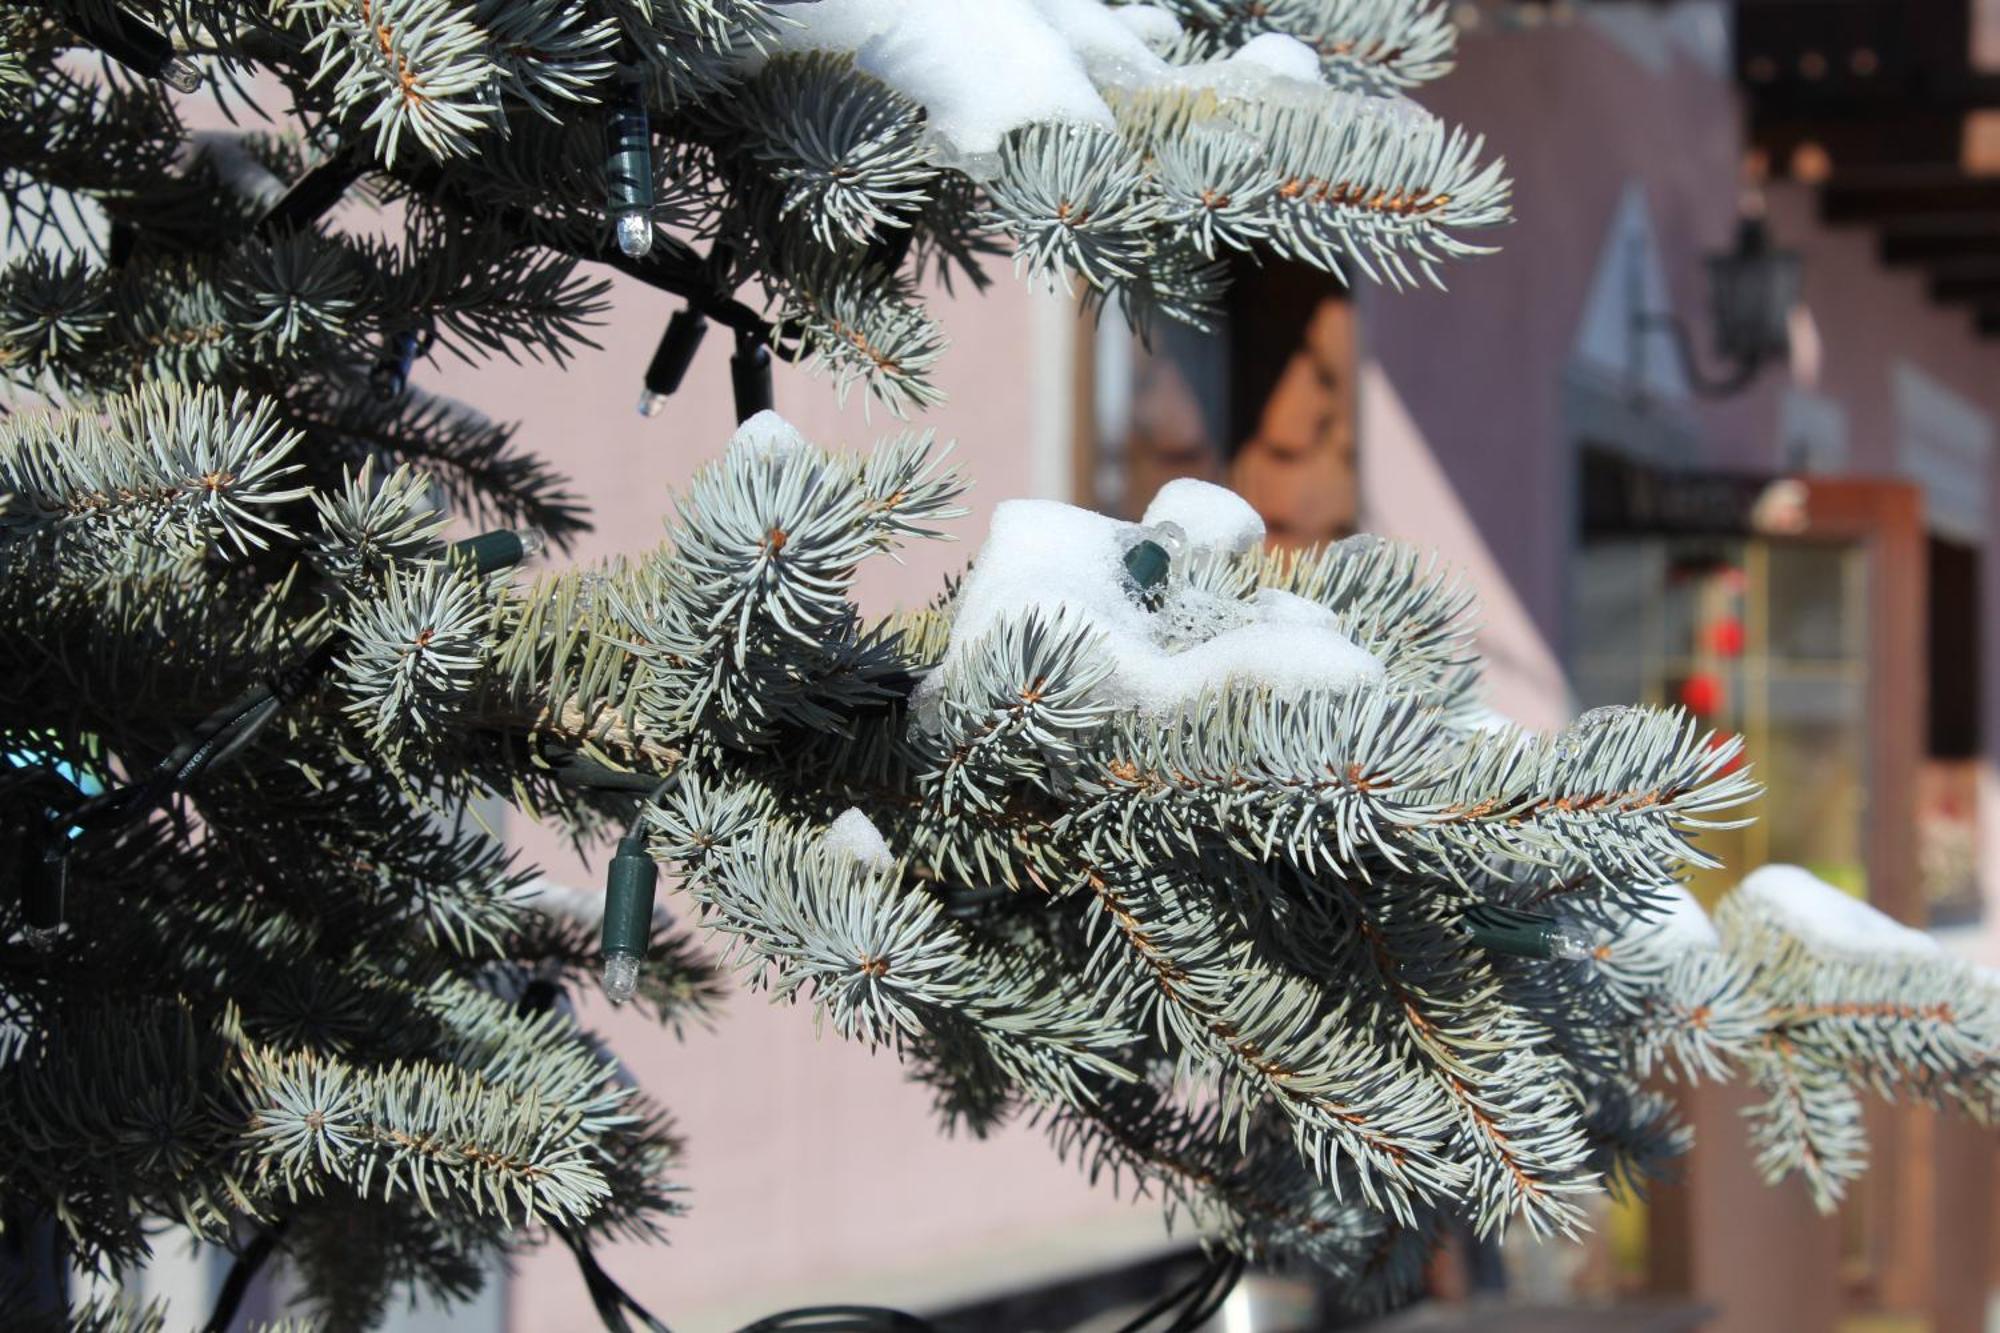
(1733,380)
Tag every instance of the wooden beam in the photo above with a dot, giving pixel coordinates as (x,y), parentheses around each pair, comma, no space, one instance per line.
(1884,136)
(1935,241)
(1965,279)
(1891,194)
(1965,291)
(1827,50)
(1951,92)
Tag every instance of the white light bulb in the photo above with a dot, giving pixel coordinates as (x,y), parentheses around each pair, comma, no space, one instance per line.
(533,542)
(1570,944)
(181,73)
(621,977)
(651,404)
(635,234)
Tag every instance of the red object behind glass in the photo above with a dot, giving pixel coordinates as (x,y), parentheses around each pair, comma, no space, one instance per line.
(1701,694)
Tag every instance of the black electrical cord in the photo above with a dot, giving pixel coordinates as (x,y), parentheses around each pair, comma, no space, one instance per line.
(611,1300)
(229,728)
(249,1261)
(1196,1299)
(841,1319)
(312,194)
(1224,1283)
(219,735)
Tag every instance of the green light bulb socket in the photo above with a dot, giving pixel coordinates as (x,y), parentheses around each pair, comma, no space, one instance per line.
(629,889)
(1147,563)
(1521,934)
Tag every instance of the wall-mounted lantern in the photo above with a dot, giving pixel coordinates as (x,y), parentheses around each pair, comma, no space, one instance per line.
(1752,290)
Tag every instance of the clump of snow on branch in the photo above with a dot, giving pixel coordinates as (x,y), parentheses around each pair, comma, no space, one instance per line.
(585,906)
(981,68)
(1209,515)
(1825,919)
(767,435)
(1680,924)
(1151,24)
(1066,564)
(853,834)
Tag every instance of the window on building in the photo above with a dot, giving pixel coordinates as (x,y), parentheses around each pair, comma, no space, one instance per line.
(1265,404)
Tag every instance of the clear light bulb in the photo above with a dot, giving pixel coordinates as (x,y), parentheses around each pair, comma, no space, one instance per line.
(635,234)
(1171,536)
(181,73)
(533,542)
(621,977)
(651,404)
(41,938)
(1570,944)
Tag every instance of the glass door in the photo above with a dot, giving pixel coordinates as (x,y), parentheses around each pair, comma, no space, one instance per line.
(1791,613)
(1759,638)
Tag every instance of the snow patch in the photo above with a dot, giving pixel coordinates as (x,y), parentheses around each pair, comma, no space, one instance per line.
(978,67)
(235,166)
(1275,606)
(1112,52)
(1681,927)
(767,435)
(981,68)
(1151,24)
(1042,556)
(1281,55)
(1824,918)
(1208,515)
(854,834)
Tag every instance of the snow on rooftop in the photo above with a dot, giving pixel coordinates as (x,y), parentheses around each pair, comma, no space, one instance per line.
(1061,561)
(1826,919)
(853,833)
(981,68)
